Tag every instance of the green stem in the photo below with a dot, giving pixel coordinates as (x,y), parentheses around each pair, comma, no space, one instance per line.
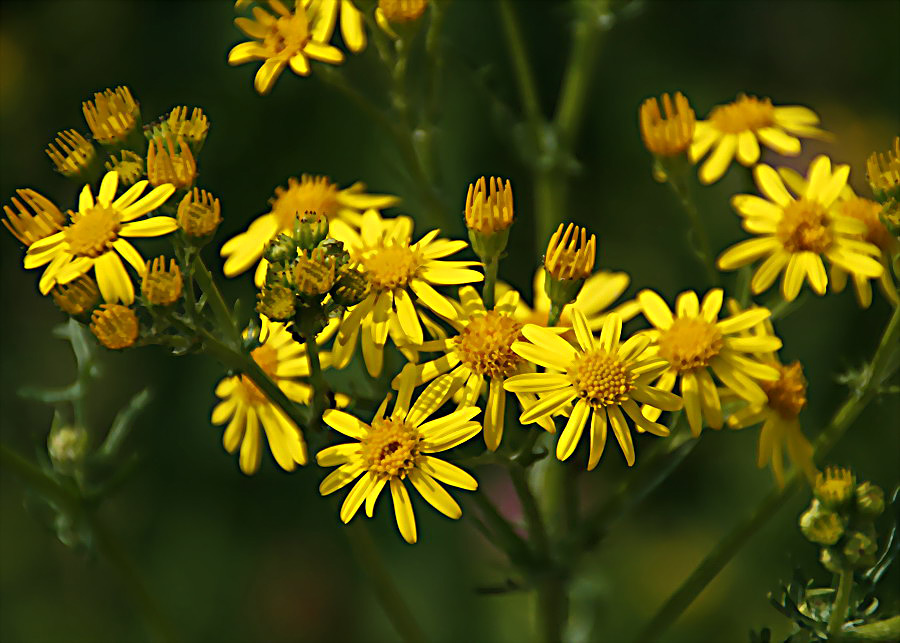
(537,531)
(490,282)
(320,386)
(879,369)
(841,603)
(223,313)
(553,606)
(555,313)
(679,181)
(388,595)
(505,537)
(521,67)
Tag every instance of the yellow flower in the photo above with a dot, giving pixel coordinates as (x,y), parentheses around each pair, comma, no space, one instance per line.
(883,171)
(71,153)
(393,266)
(96,237)
(309,194)
(353,24)
(193,129)
(37,217)
(280,39)
(115,326)
(76,297)
(739,127)
(597,294)
(489,211)
(397,448)
(244,406)
(795,232)
(695,340)
(165,165)
(481,349)
(604,377)
(161,287)
(113,115)
(570,254)
(849,205)
(394,12)
(778,411)
(130,166)
(668,135)
(199,213)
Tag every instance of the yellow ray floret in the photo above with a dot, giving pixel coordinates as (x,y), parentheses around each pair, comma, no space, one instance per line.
(604,377)
(397,448)
(794,234)
(737,129)
(694,341)
(95,238)
(324,19)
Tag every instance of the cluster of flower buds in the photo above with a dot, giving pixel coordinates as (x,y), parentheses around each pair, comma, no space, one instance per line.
(841,519)
(309,278)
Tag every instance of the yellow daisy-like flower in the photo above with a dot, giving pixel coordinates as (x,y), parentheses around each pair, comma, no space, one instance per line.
(481,350)
(309,194)
(696,340)
(397,448)
(393,266)
(353,24)
(245,407)
(281,38)
(778,413)
(604,377)
(794,233)
(850,205)
(96,237)
(599,292)
(737,129)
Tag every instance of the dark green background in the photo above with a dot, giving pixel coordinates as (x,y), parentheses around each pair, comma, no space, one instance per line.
(232,558)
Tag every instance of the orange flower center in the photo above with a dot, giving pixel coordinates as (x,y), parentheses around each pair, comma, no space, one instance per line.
(267,358)
(746,113)
(804,226)
(690,343)
(287,36)
(391,266)
(93,233)
(600,378)
(391,448)
(311,194)
(787,395)
(485,344)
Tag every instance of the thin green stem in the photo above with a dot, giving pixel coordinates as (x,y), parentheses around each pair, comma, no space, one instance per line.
(369,558)
(521,67)
(680,182)
(555,313)
(537,531)
(841,603)
(320,386)
(490,282)
(505,537)
(553,606)
(880,368)
(220,309)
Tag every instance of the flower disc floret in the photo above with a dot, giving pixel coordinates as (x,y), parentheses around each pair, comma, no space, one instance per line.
(391,266)
(690,343)
(787,394)
(485,344)
(601,379)
(93,233)
(805,226)
(390,449)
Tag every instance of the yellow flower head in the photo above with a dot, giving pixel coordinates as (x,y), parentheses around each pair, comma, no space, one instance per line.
(95,238)
(36,217)
(603,377)
(739,127)
(113,115)
(71,153)
(279,39)
(695,340)
(835,486)
(883,172)
(245,407)
(161,286)
(669,134)
(396,448)
(314,274)
(394,266)
(77,297)
(324,19)
(309,194)
(779,412)
(115,326)
(480,352)
(399,11)
(192,129)
(491,211)
(795,233)
(570,254)
(165,165)
(130,166)
(199,213)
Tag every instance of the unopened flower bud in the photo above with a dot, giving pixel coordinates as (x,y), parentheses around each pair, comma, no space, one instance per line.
(834,487)
(277,302)
(77,297)
(668,132)
(199,214)
(192,129)
(883,172)
(115,326)
(869,500)
(860,549)
(130,166)
(161,286)
(489,214)
(114,118)
(821,525)
(67,446)
(569,261)
(351,287)
(311,229)
(166,164)
(74,156)
(314,275)
(281,249)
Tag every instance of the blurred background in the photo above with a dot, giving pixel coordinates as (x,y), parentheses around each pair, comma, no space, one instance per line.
(264,558)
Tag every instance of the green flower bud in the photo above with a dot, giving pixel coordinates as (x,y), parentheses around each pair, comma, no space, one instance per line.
(831,560)
(869,499)
(313,275)
(310,229)
(834,487)
(351,287)
(277,302)
(860,549)
(281,249)
(821,525)
(67,446)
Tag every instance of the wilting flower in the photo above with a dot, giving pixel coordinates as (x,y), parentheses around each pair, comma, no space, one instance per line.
(795,233)
(324,19)
(737,129)
(669,133)
(96,237)
(778,412)
(280,39)
(394,266)
(396,448)
(310,194)
(695,340)
(245,407)
(604,377)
